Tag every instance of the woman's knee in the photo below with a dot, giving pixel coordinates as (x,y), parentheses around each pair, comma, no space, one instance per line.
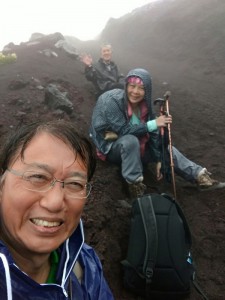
(130,142)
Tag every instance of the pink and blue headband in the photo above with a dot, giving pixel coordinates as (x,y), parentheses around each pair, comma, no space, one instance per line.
(135,80)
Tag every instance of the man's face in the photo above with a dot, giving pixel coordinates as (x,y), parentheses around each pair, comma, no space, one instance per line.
(38,222)
(106,53)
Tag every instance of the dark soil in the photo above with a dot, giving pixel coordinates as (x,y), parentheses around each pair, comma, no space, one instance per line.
(197,131)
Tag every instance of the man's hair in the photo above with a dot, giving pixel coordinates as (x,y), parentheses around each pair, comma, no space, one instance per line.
(106,45)
(17,142)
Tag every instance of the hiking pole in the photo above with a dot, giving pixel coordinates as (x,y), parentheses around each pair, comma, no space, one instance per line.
(162,108)
(166,98)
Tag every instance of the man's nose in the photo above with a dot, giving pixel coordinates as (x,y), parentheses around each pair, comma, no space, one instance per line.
(53,200)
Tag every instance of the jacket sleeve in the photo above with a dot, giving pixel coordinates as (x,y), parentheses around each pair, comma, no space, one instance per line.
(94,282)
(110,115)
(101,83)
(90,73)
(119,123)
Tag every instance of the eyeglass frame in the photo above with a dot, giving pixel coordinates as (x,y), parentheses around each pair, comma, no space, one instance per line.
(87,185)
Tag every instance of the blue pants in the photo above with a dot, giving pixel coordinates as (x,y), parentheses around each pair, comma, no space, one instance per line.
(126,152)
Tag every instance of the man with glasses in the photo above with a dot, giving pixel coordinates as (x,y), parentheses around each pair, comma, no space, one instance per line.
(45,182)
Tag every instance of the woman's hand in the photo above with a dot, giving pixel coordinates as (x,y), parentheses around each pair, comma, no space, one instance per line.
(163,120)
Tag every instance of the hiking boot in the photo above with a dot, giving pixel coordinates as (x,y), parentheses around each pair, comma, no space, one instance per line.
(204,180)
(136,189)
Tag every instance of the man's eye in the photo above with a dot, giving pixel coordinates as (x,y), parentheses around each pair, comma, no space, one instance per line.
(75,185)
(36,177)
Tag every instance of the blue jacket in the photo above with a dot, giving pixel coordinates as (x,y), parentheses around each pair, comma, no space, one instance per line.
(92,287)
(111,114)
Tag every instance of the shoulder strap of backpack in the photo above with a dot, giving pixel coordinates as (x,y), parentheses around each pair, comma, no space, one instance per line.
(150,227)
(185,223)
(186,227)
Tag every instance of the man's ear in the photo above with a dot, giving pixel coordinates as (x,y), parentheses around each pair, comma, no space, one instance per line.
(2,179)
(1,185)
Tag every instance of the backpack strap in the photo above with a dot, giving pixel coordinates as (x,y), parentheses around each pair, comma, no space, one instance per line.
(186,227)
(150,227)
(188,238)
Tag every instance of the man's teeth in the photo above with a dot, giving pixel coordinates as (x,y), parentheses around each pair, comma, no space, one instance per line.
(44,223)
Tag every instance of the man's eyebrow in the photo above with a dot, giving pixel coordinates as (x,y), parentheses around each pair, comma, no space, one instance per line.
(49,169)
(39,165)
(78,174)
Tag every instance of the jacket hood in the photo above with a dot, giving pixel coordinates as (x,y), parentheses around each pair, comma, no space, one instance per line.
(146,78)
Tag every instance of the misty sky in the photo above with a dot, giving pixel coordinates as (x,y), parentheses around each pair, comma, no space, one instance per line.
(82,19)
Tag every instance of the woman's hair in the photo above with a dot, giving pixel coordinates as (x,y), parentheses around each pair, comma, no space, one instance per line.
(17,142)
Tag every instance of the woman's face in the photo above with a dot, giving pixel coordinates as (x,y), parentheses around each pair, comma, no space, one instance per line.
(135,93)
(38,222)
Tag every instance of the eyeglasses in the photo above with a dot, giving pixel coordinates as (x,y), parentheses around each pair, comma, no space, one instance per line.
(39,181)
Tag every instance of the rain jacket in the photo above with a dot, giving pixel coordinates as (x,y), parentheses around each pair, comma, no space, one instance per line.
(111,114)
(104,76)
(16,285)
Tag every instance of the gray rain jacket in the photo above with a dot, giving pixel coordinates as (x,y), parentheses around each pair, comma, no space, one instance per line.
(111,114)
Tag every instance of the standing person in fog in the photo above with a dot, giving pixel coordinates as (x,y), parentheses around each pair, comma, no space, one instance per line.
(45,181)
(125,131)
(104,74)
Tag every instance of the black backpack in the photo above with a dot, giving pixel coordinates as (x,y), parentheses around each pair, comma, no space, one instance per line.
(159,263)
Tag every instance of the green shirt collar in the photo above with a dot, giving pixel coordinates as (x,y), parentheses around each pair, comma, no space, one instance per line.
(54,260)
